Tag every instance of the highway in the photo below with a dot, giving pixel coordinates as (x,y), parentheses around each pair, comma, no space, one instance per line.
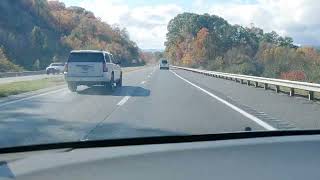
(152,102)
(6,80)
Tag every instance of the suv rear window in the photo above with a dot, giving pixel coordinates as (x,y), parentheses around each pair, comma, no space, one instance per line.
(86,57)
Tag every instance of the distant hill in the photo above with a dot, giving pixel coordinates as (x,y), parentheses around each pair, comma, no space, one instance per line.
(33,33)
(210,42)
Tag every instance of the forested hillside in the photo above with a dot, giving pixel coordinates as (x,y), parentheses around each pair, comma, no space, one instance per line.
(34,33)
(210,42)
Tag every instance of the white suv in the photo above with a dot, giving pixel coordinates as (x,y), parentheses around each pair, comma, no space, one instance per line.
(87,67)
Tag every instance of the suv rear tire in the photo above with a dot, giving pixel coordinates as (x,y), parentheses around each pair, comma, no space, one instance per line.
(110,85)
(119,83)
(72,87)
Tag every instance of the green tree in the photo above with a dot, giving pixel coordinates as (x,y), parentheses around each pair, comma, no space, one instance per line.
(38,38)
(6,65)
(36,65)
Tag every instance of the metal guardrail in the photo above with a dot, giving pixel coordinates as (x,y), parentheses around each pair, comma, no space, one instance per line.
(311,88)
(24,73)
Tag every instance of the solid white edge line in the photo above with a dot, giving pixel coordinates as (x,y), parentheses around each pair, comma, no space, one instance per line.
(123,100)
(31,97)
(244,113)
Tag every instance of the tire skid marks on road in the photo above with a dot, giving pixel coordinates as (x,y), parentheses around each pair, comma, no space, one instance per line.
(236,108)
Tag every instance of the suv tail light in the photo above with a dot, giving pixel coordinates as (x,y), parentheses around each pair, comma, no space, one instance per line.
(105,68)
(66,67)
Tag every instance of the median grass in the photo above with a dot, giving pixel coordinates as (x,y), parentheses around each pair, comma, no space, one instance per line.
(27,86)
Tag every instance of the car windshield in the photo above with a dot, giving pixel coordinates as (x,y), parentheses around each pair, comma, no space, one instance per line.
(128,69)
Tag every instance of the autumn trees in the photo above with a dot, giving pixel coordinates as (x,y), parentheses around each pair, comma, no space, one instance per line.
(208,41)
(34,32)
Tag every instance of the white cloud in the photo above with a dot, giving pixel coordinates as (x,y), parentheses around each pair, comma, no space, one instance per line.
(296,18)
(109,11)
(147,25)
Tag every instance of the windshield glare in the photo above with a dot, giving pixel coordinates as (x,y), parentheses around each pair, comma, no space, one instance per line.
(146,69)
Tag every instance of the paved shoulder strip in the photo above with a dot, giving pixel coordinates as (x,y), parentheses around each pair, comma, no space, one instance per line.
(244,113)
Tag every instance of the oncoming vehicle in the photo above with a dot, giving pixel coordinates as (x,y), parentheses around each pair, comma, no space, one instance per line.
(55,68)
(164,64)
(90,67)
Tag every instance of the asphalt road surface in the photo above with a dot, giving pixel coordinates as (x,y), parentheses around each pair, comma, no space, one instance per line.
(152,102)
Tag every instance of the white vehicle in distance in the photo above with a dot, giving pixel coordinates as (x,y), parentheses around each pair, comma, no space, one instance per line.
(89,67)
(55,68)
(164,64)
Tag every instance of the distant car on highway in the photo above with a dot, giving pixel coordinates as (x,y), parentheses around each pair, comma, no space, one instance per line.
(88,67)
(164,64)
(55,68)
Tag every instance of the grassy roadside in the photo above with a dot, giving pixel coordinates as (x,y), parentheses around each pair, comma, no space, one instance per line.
(27,86)
(33,85)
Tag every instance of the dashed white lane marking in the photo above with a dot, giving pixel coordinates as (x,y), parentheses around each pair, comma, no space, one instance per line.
(123,100)
(244,113)
(31,97)
(143,82)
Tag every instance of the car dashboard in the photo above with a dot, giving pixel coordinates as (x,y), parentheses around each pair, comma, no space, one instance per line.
(265,158)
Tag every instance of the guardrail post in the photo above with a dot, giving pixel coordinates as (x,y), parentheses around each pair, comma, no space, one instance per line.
(277,89)
(291,92)
(248,82)
(256,84)
(265,86)
(311,95)
(235,79)
(241,81)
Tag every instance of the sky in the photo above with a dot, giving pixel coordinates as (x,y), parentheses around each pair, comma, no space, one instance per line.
(146,20)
